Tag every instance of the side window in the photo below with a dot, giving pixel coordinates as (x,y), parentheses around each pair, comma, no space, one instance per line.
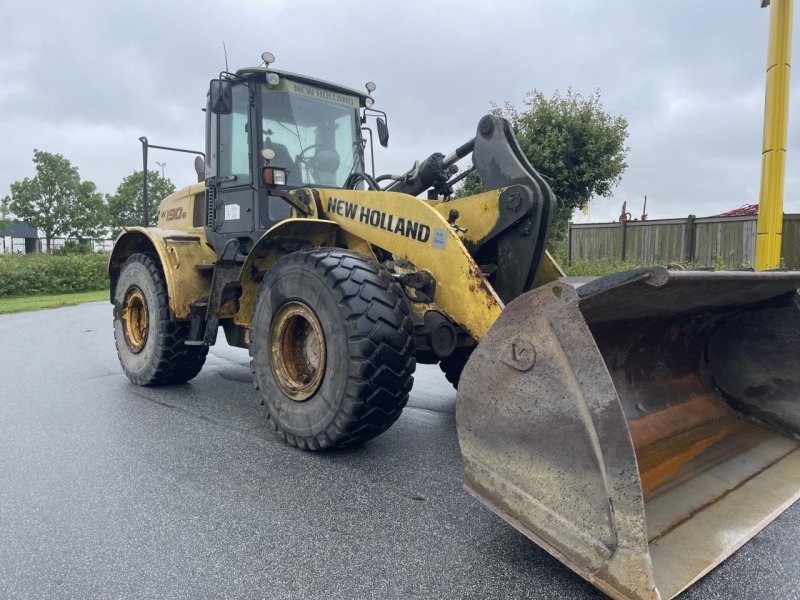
(234,140)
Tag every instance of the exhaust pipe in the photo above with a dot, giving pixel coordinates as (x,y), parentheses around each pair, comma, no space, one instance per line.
(640,427)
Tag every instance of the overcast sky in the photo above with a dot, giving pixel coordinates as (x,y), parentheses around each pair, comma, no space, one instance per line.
(86,79)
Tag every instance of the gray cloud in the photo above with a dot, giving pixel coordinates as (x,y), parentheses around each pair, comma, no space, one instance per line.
(87,78)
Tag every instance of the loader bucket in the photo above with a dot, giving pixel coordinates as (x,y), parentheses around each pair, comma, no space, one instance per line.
(639,427)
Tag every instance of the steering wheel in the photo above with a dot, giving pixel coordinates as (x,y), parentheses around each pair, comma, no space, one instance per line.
(302,158)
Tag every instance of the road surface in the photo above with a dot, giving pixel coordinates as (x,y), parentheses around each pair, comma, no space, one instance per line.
(108,490)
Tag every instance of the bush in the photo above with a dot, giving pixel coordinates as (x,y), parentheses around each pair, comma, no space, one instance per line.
(73,248)
(37,274)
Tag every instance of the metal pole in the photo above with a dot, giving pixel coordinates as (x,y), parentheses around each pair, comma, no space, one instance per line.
(776,120)
(145,215)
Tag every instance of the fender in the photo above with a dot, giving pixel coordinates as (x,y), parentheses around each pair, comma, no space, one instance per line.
(415,231)
(288,236)
(181,254)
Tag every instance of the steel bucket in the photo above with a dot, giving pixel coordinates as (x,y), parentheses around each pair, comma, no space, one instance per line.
(640,427)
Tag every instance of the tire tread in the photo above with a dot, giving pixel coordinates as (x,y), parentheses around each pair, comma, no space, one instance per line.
(374,313)
(175,362)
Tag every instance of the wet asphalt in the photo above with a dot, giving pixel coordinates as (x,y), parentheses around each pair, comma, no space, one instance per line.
(108,490)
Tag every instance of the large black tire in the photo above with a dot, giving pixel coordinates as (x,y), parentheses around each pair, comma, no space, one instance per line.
(453,365)
(150,345)
(333,349)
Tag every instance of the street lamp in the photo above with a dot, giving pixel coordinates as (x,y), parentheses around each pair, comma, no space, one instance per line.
(162,165)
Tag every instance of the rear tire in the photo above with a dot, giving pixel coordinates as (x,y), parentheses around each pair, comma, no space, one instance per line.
(453,365)
(150,346)
(332,347)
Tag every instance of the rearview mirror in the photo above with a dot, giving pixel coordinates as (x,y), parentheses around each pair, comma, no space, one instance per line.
(220,96)
(383,132)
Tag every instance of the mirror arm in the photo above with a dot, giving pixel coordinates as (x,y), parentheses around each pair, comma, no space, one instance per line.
(371,149)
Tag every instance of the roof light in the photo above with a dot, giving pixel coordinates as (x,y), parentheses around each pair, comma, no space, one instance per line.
(370,87)
(369,101)
(273,79)
(268,58)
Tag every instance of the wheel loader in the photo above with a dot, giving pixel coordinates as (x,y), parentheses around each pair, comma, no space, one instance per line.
(640,427)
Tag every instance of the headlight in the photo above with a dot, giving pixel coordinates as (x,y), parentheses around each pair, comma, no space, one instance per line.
(273,79)
(369,101)
(272,176)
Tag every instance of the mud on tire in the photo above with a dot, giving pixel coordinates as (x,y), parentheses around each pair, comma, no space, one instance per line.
(150,346)
(332,347)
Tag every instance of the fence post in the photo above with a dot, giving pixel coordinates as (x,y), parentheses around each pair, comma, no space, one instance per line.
(688,239)
(569,245)
(624,226)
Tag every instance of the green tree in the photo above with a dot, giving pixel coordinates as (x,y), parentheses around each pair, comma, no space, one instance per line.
(5,218)
(470,186)
(125,205)
(90,220)
(573,142)
(55,200)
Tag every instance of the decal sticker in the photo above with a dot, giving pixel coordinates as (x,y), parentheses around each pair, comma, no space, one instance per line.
(439,238)
(380,219)
(173,213)
(232,212)
(311,91)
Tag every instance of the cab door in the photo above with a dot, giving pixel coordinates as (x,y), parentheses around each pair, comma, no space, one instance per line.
(230,182)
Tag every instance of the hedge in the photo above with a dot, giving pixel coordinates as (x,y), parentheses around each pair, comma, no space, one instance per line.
(36,274)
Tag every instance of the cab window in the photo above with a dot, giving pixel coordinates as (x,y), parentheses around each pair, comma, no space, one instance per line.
(234,140)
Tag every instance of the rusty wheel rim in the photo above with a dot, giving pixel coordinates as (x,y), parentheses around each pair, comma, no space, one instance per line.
(135,320)
(297,350)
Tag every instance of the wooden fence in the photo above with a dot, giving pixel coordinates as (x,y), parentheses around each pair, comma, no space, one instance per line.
(723,242)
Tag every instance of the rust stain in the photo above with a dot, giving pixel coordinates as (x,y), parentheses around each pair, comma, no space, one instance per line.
(676,459)
(663,461)
(676,419)
(666,442)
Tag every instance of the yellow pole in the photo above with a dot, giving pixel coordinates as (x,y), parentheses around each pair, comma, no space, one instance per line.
(776,120)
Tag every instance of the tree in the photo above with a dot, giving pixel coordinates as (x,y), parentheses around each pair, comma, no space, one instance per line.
(470,186)
(125,205)
(5,219)
(55,200)
(90,220)
(573,142)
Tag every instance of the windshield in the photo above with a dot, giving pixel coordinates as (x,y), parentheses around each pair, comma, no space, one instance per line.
(313,132)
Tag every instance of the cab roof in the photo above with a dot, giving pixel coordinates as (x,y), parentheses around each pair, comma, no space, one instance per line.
(248,72)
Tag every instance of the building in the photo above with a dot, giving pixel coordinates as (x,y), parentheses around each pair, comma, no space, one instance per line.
(19,238)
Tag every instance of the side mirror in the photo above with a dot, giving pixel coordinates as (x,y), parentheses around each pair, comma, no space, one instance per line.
(383,132)
(220,94)
(200,168)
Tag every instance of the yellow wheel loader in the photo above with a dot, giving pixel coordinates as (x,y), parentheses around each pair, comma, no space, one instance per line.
(640,427)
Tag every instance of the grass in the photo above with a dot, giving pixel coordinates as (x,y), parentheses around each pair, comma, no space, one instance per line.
(26,303)
(604,266)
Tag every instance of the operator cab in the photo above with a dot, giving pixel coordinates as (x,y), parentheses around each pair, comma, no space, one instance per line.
(271,130)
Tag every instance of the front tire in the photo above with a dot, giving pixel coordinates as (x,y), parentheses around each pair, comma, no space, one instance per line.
(332,347)
(150,345)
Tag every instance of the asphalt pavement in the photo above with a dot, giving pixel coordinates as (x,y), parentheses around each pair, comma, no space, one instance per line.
(108,490)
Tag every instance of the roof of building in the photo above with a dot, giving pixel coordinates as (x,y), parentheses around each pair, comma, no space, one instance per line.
(20,229)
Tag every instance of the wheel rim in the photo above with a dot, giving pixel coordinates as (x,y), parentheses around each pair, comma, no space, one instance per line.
(135,320)
(297,350)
